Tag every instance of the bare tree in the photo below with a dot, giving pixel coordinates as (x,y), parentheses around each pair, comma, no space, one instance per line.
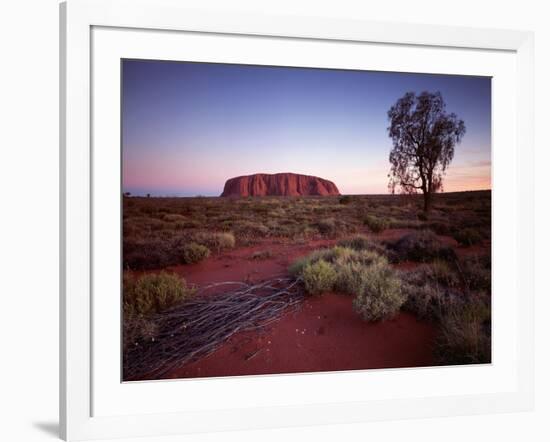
(424,136)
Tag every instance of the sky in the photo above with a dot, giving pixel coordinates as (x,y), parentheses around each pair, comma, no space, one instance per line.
(188,127)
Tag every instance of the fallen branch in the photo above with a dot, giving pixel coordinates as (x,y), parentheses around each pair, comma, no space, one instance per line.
(200,326)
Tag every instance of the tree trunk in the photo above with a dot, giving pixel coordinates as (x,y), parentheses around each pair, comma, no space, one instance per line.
(427,201)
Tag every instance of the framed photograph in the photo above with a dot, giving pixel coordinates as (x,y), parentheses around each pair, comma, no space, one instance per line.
(283,221)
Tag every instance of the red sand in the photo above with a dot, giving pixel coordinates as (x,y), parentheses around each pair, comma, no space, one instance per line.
(324,335)
(238,265)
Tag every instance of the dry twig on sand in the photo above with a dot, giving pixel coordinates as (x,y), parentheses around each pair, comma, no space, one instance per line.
(201,325)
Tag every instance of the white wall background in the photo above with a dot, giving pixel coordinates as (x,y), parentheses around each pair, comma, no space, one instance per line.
(29,219)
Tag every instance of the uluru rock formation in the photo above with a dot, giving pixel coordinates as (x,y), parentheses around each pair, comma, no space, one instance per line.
(279,184)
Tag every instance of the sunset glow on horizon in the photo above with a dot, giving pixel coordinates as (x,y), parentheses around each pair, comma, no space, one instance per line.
(188,127)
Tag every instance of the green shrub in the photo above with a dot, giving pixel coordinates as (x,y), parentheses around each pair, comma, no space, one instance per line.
(319,277)
(153,293)
(375,223)
(468,236)
(351,278)
(298,266)
(382,295)
(192,253)
(362,273)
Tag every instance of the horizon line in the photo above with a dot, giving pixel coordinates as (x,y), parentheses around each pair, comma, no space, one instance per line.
(145,195)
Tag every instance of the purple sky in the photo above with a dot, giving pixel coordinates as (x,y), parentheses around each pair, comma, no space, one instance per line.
(188,127)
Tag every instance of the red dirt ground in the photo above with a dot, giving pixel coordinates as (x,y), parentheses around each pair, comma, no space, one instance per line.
(325,334)
(238,265)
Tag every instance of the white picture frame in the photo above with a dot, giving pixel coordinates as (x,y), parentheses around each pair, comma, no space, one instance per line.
(78,378)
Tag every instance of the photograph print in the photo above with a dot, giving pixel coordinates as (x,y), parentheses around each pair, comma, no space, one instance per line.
(284,220)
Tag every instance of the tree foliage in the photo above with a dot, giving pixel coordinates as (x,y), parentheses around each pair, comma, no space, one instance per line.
(424,136)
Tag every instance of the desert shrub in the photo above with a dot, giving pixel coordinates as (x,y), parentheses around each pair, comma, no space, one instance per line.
(174,217)
(152,293)
(476,271)
(404,224)
(468,236)
(260,208)
(192,253)
(190,224)
(427,297)
(465,336)
(441,272)
(215,240)
(327,226)
(277,213)
(250,229)
(261,254)
(422,246)
(136,329)
(439,227)
(362,273)
(147,253)
(319,277)
(345,199)
(362,242)
(357,242)
(351,278)
(422,216)
(381,296)
(375,223)
(298,266)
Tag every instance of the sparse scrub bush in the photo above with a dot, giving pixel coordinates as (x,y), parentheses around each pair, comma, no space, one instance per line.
(351,278)
(441,272)
(422,216)
(357,242)
(153,293)
(173,217)
(465,336)
(319,277)
(215,240)
(375,223)
(147,253)
(427,296)
(192,253)
(421,246)
(362,273)
(345,199)
(468,236)
(250,229)
(261,254)
(476,271)
(382,295)
(441,228)
(297,267)
(327,227)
